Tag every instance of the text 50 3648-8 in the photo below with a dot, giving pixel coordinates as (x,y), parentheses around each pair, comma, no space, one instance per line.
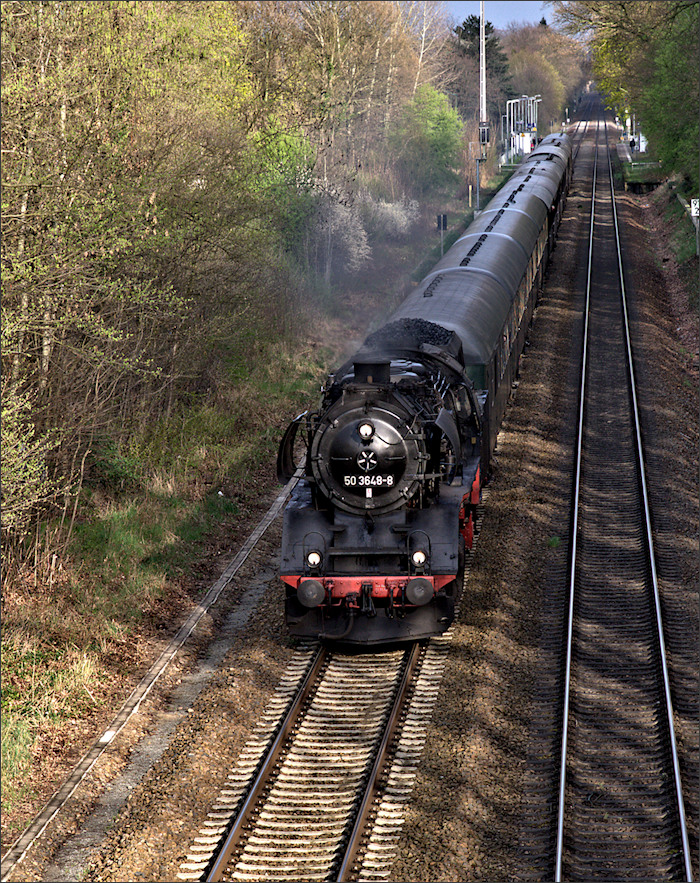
(368,481)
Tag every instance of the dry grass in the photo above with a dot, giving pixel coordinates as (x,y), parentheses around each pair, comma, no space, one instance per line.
(76,630)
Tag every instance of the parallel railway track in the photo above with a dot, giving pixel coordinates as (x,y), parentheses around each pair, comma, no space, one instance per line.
(620,808)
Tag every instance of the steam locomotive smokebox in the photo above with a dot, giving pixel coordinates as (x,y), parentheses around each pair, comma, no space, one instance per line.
(372,371)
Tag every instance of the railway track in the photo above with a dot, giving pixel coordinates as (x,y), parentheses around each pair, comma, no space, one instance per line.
(320,790)
(312,780)
(621,810)
(304,801)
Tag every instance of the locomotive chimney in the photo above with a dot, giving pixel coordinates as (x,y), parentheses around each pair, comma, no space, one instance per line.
(372,371)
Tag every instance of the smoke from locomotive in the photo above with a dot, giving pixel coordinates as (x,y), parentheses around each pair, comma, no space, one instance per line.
(395,455)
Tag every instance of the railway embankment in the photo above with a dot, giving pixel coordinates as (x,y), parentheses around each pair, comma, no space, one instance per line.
(149,541)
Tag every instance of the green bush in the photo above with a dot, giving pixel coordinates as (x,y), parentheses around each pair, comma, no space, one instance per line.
(25,482)
(426,140)
(113,469)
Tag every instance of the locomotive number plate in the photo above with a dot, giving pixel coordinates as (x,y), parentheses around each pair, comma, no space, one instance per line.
(368,481)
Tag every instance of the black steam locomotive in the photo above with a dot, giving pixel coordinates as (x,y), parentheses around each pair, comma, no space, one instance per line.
(395,456)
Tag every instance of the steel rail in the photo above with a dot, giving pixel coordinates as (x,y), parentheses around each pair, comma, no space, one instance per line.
(372,784)
(574,533)
(575,135)
(650,543)
(268,764)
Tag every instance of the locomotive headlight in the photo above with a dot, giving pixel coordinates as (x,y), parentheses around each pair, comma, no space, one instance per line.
(418,558)
(313,559)
(366,431)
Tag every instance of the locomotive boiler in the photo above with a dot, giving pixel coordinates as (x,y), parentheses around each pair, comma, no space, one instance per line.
(394,457)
